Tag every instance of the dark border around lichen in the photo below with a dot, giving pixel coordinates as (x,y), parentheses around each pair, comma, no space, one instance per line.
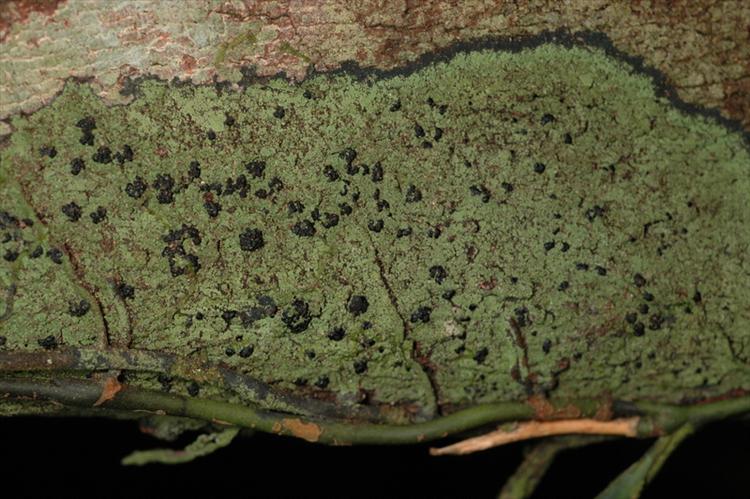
(514,44)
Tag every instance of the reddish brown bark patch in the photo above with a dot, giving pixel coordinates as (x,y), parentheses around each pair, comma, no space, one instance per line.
(18,11)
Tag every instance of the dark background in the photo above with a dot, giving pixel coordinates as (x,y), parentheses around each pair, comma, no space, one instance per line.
(80,458)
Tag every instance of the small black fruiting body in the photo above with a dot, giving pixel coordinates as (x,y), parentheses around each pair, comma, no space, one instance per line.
(480,190)
(481,355)
(79,309)
(413,194)
(546,346)
(360,366)
(76,166)
(539,167)
(251,240)
(330,220)
(296,317)
(194,170)
(438,273)
(377,172)
(376,225)
(55,255)
(304,228)
(193,389)
(358,305)
(256,168)
(337,334)
(99,215)
(48,343)
(48,151)
(212,208)
(72,211)
(422,314)
(136,188)
(125,291)
(102,155)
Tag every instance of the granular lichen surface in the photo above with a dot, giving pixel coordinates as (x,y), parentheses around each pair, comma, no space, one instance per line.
(485,228)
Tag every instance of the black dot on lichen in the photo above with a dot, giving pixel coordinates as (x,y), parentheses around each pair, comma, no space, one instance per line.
(360,366)
(594,212)
(322,382)
(99,215)
(247,351)
(72,211)
(279,112)
(481,355)
(296,316)
(193,389)
(211,135)
(125,291)
(547,118)
(330,220)
(413,194)
(136,188)
(48,151)
(304,228)
(256,168)
(79,309)
(194,170)
(357,305)
(639,329)
(377,172)
(76,166)
(55,255)
(336,334)
(421,314)
(212,208)
(10,256)
(539,167)
(376,225)
(251,240)
(48,343)
(480,190)
(438,273)
(546,346)
(102,155)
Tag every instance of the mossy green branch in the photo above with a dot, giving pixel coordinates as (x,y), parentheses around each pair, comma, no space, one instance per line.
(83,394)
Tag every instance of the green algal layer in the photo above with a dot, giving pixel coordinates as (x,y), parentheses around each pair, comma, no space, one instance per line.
(483,229)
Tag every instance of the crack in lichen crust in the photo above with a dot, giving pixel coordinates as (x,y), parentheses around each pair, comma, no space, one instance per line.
(489,227)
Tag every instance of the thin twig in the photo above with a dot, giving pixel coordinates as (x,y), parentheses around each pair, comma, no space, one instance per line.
(627,427)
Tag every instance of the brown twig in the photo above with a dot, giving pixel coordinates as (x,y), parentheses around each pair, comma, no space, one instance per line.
(627,427)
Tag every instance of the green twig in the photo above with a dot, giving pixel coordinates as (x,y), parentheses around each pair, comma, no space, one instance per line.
(631,482)
(537,460)
(203,445)
(83,393)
